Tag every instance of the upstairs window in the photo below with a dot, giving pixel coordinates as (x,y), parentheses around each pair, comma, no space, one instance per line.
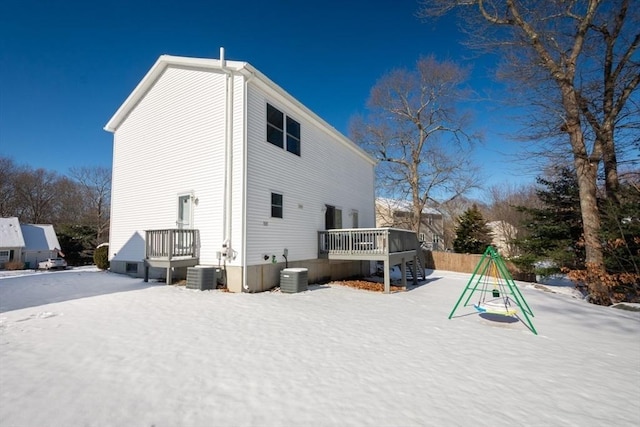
(275,126)
(276,205)
(278,127)
(293,136)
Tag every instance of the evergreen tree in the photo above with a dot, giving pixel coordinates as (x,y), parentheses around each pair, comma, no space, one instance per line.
(472,234)
(556,235)
(555,230)
(77,242)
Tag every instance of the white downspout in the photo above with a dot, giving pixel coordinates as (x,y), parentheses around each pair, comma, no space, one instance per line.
(228,160)
(247,79)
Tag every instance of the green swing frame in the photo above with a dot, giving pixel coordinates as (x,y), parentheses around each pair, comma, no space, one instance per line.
(491,261)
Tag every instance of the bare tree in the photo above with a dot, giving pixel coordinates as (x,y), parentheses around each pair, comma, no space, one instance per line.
(96,183)
(503,203)
(69,205)
(452,210)
(582,54)
(36,193)
(8,172)
(415,131)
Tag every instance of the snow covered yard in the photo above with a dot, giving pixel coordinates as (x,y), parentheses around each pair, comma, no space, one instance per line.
(89,348)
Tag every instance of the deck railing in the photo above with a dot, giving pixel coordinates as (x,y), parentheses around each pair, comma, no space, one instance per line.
(366,241)
(172,243)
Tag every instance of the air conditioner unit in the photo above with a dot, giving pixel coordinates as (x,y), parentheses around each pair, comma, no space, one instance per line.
(293,280)
(202,278)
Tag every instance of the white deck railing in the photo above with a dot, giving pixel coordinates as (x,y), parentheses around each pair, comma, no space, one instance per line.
(366,241)
(172,243)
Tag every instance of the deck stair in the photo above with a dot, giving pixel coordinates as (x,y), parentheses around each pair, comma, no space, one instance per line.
(419,270)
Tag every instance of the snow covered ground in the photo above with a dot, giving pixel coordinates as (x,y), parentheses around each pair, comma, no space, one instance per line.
(88,348)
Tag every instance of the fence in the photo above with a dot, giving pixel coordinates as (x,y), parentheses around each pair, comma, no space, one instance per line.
(466,263)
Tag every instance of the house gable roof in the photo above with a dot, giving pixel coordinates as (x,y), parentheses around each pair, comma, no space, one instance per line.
(40,237)
(215,65)
(11,233)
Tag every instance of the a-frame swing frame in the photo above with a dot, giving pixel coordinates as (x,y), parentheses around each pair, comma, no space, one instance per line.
(490,258)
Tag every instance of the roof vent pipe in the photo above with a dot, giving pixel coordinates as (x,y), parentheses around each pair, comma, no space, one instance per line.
(222,62)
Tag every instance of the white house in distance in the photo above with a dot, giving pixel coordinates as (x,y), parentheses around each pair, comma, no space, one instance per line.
(215,147)
(27,243)
(11,240)
(397,213)
(502,235)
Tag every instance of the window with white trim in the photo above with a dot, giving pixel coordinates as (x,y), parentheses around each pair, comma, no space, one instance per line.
(278,127)
(276,205)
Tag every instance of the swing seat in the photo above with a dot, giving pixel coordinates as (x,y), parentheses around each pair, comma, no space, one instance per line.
(494,308)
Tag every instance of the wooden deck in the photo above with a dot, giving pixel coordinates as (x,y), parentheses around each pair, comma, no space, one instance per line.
(391,245)
(171,248)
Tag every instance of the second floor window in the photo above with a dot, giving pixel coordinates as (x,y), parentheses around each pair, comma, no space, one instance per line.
(275,126)
(278,127)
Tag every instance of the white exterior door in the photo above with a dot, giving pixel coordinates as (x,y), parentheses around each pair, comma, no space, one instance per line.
(185,211)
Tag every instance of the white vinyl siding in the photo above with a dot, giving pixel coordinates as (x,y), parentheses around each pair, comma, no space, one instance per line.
(327,173)
(172,142)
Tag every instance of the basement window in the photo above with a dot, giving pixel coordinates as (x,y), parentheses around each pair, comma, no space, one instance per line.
(276,205)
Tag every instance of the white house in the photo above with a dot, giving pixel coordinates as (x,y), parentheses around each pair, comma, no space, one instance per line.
(28,243)
(397,213)
(215,146)
(502,236)
(11,240)
(41,243)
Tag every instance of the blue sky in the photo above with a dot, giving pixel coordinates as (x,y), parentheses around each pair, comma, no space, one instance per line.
(65,67)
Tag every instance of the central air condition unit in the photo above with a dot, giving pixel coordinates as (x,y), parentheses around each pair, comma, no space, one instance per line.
(293,280)
(202,278)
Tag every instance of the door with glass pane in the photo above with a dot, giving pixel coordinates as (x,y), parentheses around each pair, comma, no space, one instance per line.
(185,210)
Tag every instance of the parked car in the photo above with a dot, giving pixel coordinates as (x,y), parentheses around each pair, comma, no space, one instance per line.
(52,264)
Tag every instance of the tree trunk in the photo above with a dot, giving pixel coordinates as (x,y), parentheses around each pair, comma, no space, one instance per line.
(587,173)
(612,184)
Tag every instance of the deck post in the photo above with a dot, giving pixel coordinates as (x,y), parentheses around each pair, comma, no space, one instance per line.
(414,270)
(403,270)
(169,276)
(387,278)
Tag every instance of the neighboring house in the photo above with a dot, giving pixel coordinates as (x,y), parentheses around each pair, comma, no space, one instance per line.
(502,234)
(11,240)
(28,243)
(397,213)
(41,243)
(215,160)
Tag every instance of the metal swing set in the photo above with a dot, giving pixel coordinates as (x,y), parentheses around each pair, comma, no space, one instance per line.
(498,293)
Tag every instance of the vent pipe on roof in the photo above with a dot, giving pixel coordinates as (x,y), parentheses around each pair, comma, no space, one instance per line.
(222,62)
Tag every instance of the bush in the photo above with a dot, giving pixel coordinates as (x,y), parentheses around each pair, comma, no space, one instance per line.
(14,265)
(101,257)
